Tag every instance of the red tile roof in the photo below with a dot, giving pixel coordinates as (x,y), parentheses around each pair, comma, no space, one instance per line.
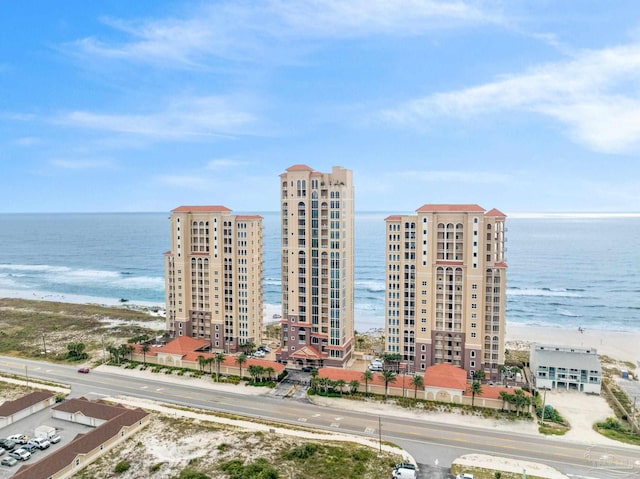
(444,208)
(183,345)
(501,264)
(248,217)
(393,218)
(378,379)
(306,352)
(8,408)
(201,209)
(299,168)
(495,212)
(446,376)
(493,392)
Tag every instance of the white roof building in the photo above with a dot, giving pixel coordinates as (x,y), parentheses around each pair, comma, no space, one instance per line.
(565,367)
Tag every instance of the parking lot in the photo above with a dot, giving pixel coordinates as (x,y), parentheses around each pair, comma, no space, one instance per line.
(66,430)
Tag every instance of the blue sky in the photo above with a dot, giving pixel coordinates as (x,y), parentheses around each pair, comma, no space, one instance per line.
(148,105)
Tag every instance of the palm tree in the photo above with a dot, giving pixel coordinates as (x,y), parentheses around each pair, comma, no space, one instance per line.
(506,398)
(520,400)
(366,377)
(324,383)
(210,361)
(479,375)
(269,372)
(389,377)
(201,361)
(340,383)
(503,371)
(254,371)
(219,359)
(145,349)
(417,381)
(240,360)
(475,388)
(354,385)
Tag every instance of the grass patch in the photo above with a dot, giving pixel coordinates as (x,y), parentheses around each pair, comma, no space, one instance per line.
(552,429)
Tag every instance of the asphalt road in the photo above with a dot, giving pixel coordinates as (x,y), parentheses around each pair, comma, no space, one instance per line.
(432,444)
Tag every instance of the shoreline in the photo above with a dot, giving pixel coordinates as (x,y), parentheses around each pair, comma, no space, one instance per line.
(619,345)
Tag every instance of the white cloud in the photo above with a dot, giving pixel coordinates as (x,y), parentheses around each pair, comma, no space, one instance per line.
(244,30)
(592,94)
(183,119)
(81,164)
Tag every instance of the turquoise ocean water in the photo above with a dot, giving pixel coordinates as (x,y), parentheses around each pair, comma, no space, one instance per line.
(563,271)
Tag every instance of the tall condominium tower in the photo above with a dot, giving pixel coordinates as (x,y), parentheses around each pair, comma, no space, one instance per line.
(213,276)
(317,266)
(445,287)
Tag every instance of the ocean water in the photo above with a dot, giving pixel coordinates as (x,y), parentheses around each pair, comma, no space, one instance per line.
(563,271)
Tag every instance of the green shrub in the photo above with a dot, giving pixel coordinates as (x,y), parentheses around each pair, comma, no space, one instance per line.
(122,466)
(156,467)
(301,452)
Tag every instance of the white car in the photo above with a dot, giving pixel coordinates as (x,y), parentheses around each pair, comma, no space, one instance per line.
(39,442)
(19,438)
(55,439)
(464,475)
(20,454)
(259,354)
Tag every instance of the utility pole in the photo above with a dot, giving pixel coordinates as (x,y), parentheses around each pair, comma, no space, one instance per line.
(380,434)
(104,354)
(544,404)
(44,344)
(26,374)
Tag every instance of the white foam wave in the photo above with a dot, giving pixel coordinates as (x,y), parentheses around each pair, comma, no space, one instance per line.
(373,286)
(77,276)
(34,268)
(542,292)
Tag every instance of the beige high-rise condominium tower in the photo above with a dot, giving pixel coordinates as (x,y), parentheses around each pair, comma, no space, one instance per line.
(317,266)
(213,277)
(445,287)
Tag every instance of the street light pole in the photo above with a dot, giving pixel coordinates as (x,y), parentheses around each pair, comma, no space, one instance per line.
(26,374)
(380,434)
(44,345)
(103,350)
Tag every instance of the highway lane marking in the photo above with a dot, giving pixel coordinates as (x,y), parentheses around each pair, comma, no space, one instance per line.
(369,430)
(302,419)
(144,387)
(335,424)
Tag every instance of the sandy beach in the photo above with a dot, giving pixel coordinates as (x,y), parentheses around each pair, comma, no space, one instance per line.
(620,345)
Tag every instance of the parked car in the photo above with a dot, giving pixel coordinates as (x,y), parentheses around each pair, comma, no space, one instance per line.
(259,354)
(29,447)
(19,438)
(7,444)
(20,454)
(464,475)
(404,472)
(83,370)
(39,442)
(2,451)
(55,439)
(8,461)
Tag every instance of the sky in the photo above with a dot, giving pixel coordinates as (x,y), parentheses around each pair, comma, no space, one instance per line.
(524,106)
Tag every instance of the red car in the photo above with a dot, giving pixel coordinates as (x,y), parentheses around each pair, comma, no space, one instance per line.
(83,370)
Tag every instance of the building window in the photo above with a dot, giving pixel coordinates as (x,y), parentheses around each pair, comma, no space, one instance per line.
(472,364)
(474,325)
(473,335)
(472,354)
